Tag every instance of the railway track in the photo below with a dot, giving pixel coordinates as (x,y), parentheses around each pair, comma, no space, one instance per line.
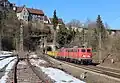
(109,73)
(36,72)
(23,73)
(101,70)
(39,72)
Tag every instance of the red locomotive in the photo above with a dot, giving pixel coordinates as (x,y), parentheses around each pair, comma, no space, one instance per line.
(77,55)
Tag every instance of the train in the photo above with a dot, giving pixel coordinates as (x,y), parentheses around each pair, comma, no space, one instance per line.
(80,55)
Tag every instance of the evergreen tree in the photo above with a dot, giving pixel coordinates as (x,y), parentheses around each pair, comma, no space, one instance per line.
(55,23)
(65,36)
(55,20)
(101,28)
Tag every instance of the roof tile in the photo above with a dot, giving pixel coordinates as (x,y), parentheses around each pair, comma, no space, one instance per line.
(31,10)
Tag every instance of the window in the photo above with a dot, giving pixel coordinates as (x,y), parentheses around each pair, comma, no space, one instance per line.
(75,50)
(66,50)
(26,17)
(70,50)
(88,50)
(82,50)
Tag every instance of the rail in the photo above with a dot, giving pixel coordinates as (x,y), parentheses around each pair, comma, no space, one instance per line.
(15,70)
(108,73)
(39,73)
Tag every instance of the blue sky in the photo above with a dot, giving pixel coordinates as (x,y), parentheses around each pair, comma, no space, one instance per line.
(78,9)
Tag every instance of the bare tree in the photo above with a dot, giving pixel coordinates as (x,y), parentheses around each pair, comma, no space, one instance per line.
(74,23)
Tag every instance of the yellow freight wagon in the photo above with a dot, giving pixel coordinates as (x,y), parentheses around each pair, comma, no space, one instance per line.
(52,50)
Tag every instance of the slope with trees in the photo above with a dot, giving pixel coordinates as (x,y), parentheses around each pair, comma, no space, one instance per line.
(9,26)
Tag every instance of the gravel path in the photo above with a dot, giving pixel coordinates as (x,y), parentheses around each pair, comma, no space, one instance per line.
(24,74)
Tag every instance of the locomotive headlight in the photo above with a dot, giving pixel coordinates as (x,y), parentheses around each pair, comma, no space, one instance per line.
(84,55)
(88,56)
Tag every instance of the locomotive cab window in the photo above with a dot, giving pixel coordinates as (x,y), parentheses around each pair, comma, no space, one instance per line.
(70,50)
(66,50)
(88,50)
(75,50)
(82,50)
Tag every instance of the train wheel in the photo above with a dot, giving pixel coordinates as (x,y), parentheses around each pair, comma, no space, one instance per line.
(77,61)
(65,59)
(81,62)
(89,62)
(70,60)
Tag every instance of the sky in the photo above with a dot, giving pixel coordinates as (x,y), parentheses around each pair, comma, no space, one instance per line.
(78,9)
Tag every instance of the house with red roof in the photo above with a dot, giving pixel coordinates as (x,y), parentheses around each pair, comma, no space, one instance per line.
(29,14)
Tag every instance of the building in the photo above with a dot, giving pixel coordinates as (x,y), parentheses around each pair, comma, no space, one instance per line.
(47,20)
(35,15)
(5,4)
(22,13)
(29,14)
(60,22)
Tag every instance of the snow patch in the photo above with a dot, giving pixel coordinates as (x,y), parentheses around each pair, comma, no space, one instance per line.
(8,69)
(33,56)
(5,61)
(22,63)
(58,75)
(39,61)
(5,52)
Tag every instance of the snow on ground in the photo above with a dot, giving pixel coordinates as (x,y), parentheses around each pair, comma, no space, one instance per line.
(39,61)
(33,56)
(5,61)
(5,53)
(9,67)
(22,63)
(58,75)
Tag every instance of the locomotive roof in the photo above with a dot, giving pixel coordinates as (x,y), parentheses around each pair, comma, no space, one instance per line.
(76,48)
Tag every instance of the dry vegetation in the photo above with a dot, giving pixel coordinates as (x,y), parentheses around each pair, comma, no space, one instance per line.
(90,38)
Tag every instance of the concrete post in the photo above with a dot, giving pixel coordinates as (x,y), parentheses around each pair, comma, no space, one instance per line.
(21,37)
(100,57)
